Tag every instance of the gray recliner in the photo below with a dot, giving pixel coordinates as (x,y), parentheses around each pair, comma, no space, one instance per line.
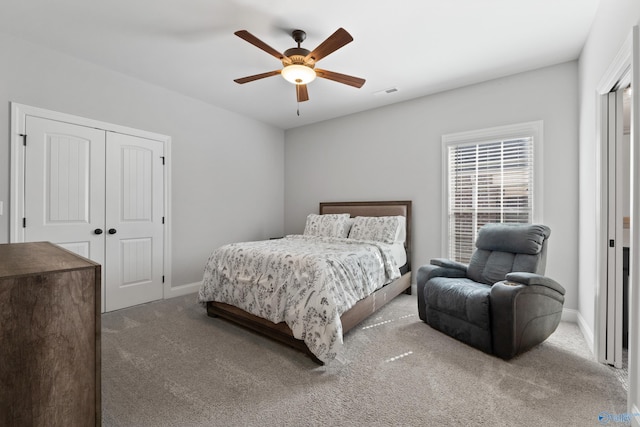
(501,303)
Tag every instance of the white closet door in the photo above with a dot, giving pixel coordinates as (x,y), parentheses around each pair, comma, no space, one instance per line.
(613,353)
(64,186)
(134,220)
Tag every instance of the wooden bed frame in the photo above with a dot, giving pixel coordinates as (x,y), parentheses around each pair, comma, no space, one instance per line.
(356,314)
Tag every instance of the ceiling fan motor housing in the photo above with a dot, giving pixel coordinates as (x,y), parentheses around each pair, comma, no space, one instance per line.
(297,55)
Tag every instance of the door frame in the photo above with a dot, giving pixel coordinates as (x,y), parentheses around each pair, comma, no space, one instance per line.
(618,69)
(626,62)
(19,113)
(633,401)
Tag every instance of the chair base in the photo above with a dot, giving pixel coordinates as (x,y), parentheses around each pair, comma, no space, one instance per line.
(463,331)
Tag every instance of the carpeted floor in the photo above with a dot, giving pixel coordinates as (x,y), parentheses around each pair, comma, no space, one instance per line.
(622,373)
(167,364)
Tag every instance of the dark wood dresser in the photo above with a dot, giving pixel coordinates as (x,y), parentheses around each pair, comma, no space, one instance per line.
(49,337)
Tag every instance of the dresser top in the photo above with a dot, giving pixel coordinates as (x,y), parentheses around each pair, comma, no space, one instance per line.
(19,259)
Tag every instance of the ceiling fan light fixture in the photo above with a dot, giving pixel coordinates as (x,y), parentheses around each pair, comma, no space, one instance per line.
(298,74)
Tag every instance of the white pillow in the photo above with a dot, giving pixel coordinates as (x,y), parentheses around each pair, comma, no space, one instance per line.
(386,229)
(330,225)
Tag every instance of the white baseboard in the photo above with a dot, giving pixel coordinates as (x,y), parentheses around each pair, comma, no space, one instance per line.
(569,315)
(587,333)
(178,291)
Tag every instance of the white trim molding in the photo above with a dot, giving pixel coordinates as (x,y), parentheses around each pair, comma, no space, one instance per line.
(573,316)
(587,333)
(186,289)
(569,315)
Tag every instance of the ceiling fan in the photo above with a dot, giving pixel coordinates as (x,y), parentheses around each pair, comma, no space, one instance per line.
(299,63)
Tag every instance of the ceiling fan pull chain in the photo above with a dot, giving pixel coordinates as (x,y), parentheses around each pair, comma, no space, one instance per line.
(298,110)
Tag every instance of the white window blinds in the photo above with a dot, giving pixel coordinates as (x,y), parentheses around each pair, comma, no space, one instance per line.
(488,182)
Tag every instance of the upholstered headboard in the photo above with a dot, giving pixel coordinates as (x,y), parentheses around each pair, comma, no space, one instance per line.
(385,208)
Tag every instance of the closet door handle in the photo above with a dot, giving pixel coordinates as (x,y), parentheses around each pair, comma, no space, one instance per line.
(97,231)
(112,231)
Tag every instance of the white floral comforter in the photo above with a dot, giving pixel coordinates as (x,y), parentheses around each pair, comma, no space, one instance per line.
(305,281)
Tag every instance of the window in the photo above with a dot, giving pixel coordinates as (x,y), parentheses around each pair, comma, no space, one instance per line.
(490,177)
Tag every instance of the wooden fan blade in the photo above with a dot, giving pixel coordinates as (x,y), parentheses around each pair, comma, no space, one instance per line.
(301,93)
(340,78)
(256,77)
(247,36)
(334,42)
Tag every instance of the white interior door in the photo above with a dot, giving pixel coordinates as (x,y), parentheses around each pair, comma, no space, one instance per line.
(616,188)
(64,181)
(134,220)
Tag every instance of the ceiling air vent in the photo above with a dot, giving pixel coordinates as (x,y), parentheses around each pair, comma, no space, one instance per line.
(386,91)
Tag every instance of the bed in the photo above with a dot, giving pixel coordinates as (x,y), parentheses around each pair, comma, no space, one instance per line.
(296,314)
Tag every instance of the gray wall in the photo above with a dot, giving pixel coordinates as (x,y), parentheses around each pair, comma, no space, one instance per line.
(227,170)
(395,153)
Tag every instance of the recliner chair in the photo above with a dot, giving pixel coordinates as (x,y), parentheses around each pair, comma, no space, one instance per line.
(501,303)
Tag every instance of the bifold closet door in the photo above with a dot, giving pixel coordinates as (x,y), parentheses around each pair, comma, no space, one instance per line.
(134,220)
(64,186)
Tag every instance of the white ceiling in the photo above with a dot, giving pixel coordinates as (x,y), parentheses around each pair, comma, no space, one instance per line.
(417,46)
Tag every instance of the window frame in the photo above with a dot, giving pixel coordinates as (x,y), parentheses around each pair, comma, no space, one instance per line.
(533,129)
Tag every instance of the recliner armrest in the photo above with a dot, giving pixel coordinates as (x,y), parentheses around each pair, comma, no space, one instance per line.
(531,279)
(429,271)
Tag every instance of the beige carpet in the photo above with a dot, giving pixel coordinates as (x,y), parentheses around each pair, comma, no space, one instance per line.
(168,364)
